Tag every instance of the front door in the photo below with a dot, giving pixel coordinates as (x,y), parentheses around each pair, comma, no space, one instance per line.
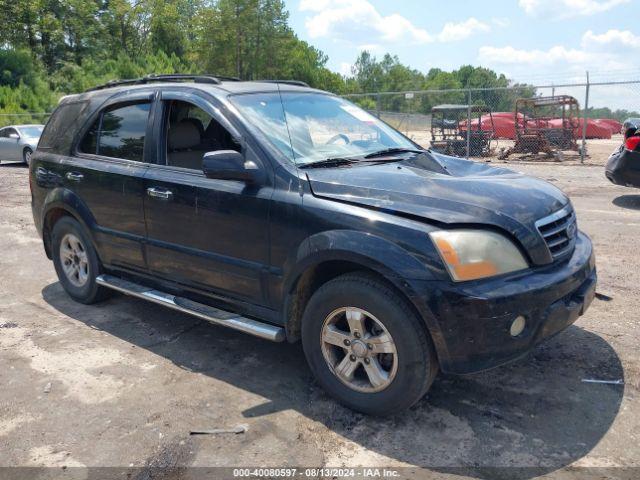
(207,234)
(9,144)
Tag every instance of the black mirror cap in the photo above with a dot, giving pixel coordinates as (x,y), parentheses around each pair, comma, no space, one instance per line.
(229,165)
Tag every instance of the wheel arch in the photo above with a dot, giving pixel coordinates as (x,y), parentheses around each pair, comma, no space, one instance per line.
(61,203)
(321,266)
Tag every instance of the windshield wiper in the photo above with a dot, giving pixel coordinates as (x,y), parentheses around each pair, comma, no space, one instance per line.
(330,162)
(340,161)
(392,150)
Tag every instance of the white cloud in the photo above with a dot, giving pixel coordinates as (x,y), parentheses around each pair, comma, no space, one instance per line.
(609,39)
(346,69)
(501,22)
(560,9)
(598,52)
(359,22)
(459,31)
(355,20)
(602,52)
(371,48)
(313,5)
(513,56)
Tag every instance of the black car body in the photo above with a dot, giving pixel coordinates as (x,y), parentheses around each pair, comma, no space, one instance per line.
(623,166)
(267,240)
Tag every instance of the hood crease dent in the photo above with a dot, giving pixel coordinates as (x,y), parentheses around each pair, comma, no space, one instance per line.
(464,192)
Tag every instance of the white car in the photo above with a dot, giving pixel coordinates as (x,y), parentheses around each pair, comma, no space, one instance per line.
(18,142)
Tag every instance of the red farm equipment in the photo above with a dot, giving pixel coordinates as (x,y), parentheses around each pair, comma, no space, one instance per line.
(547,125)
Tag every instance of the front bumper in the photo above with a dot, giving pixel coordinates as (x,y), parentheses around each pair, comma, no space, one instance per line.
(474,318)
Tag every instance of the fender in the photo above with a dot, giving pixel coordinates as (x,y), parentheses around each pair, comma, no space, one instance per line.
(370,251)
(396,265)
(69,201)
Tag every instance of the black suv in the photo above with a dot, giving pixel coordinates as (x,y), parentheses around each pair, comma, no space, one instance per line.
(290,213)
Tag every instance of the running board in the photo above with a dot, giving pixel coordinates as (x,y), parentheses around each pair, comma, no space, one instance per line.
(211,314)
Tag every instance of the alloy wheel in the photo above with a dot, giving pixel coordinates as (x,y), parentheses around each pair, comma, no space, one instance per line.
(359,350)
(74,260)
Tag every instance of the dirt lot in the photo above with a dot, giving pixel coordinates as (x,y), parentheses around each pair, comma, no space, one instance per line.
(122,384)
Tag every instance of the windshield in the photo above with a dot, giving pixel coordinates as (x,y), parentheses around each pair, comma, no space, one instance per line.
(310,127)
(31,131)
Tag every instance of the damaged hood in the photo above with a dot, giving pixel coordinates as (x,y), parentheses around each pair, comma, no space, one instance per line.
(449,191)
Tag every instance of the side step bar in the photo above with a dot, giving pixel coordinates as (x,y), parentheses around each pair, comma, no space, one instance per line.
(211,314)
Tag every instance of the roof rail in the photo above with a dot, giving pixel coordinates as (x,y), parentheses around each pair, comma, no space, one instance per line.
(169,77)
(298,83)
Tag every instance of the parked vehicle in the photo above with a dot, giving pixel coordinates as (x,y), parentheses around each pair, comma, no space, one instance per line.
(623,166)
(449,130)
(18,142)
(630,123)
(291,214)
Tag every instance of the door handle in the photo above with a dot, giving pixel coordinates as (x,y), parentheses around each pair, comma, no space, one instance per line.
(159,193)
(74,176)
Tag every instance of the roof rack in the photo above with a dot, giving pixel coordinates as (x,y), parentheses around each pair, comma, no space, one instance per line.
(298,83)
(170,77)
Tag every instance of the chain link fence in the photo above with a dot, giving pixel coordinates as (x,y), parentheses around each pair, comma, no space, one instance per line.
(29,118)
(578,121)
(566,122)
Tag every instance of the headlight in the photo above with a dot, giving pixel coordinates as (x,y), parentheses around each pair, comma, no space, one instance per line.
(472,254)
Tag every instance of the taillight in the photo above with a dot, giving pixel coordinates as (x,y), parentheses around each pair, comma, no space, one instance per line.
(632,143)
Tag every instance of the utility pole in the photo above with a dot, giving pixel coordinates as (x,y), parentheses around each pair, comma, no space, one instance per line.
(583,150)
(468,123)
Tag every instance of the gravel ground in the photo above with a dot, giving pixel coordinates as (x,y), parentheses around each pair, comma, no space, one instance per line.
(122,383)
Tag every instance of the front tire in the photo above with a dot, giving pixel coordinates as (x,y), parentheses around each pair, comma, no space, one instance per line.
(26,156)
(76,262)
(366,346)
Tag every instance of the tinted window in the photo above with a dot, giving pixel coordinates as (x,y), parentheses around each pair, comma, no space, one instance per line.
(63,126)
(118,132)
(4,133)
(122,132)
(89,142)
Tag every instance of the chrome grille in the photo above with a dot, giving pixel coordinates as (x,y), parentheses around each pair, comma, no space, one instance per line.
(559,231)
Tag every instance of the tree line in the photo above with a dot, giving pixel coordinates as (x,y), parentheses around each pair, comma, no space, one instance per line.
(49,48)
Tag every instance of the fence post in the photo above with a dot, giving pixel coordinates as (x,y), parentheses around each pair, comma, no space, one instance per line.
(468,123)
(583,150)
(378,104)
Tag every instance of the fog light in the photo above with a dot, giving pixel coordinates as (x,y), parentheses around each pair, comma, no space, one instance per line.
(517,327)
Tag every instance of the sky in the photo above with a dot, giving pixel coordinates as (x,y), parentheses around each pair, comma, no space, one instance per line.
(537,41)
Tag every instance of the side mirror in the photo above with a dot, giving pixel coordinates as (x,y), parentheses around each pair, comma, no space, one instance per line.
(15,136)
(229,165)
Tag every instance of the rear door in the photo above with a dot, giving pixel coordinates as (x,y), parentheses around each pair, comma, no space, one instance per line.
(207,234)
(107,170)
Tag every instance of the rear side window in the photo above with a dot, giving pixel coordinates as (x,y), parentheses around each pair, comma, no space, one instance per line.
(118,132)
(62,127)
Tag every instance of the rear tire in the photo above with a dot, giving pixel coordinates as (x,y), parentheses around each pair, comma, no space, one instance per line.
(373,376)
(26,156)
(76,262)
